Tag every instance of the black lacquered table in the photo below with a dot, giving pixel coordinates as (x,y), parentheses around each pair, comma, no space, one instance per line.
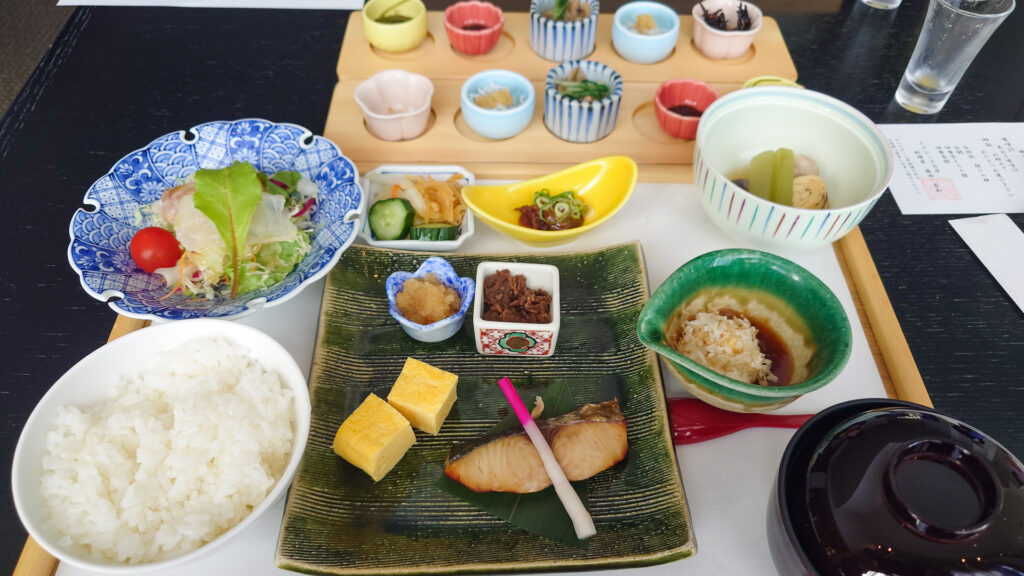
(118,77)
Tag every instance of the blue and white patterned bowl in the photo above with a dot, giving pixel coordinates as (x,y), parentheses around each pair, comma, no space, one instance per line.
(442,329)
(645,48)
(100,237)
(562,41)
(853,157)
(498,124)
(577,121)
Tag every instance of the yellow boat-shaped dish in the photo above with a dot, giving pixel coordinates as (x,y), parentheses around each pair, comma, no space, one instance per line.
(604,185)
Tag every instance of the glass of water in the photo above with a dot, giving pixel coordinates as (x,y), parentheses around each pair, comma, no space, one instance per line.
(883,4)
(954,32)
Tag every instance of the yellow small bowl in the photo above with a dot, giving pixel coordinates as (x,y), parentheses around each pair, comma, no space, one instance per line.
(399,37)
(604,185)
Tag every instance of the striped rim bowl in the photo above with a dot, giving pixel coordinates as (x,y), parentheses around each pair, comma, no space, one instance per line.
(853,158)
(562,41)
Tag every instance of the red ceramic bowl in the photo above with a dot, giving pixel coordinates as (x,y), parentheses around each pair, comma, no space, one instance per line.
(682,93)
(473,27)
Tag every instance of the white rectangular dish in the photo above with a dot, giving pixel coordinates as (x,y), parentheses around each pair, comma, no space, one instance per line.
(381,179)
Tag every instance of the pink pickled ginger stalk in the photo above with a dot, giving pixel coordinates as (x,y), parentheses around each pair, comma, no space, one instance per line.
(581,520)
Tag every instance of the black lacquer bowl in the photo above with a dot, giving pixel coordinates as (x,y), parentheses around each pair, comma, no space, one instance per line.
(885,487)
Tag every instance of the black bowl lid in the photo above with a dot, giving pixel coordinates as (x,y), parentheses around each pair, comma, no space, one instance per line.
(887,487)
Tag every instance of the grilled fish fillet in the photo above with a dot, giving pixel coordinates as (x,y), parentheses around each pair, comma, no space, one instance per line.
(585,442)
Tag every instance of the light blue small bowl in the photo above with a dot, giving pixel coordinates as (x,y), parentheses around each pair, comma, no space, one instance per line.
(442,329)
(562,41)
(498,124)
(577,121)
(645,48)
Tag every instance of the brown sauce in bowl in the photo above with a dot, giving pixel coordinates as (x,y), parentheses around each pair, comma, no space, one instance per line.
(772,346)
(684,110)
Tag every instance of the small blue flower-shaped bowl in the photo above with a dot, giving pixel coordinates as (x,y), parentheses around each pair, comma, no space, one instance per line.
(498,124)
(645,48)
(100,236)
(576,121)
(442,329)
(561,41)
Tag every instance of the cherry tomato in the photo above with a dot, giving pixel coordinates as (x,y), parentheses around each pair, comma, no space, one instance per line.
(154,248)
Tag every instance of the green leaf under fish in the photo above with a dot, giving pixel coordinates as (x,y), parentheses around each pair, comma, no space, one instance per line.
(541,512)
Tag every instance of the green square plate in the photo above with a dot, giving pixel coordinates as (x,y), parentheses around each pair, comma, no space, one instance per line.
(338,521)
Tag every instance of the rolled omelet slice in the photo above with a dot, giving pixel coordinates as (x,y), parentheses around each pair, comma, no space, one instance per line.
(374,437)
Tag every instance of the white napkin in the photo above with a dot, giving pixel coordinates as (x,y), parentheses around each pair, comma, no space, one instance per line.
(999,244)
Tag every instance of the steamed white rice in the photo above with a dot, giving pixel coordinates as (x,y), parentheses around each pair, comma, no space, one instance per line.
(175,457)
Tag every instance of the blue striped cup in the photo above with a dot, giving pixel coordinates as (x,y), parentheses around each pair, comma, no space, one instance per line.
(853,157)
(562,41)
(576,121)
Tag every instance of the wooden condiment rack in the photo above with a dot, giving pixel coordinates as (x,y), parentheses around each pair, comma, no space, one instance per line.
(449,139)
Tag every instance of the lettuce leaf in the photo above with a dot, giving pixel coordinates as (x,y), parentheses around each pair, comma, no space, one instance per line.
(228,197)
(272,263)
(290,179)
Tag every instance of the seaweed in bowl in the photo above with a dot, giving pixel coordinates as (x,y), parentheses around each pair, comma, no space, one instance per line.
(100,247)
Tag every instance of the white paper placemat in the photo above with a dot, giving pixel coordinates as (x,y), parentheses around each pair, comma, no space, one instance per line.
(727,480)
(999,244)
(973,168)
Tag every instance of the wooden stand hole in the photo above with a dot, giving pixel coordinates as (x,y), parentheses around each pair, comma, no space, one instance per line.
(646,123)
(464,128)
(415,54)
(505,46)
(743,59)
(431,120)
(658,63)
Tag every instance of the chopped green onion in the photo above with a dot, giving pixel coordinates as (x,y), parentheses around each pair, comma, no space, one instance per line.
(556,209)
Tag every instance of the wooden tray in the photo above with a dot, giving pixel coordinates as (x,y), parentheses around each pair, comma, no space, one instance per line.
(535,151)
(888,345)
(436,59)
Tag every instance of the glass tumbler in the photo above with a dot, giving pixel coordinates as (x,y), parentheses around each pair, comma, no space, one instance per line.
(953,33)
(883,4)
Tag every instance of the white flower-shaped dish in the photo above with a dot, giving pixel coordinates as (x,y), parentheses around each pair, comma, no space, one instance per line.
(446,327)
(382,178)
(100,235)
(395,104)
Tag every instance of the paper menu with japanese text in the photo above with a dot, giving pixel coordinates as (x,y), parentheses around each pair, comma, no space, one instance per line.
(957,168)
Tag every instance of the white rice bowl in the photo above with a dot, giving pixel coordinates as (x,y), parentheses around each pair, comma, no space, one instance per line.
(132,462)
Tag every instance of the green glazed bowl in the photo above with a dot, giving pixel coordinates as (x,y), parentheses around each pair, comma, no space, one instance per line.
(809,298)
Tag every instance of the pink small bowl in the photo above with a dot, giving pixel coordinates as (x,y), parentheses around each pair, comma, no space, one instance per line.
(682,93)
(472,42)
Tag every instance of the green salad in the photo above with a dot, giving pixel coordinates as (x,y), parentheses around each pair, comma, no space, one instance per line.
(236,230)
